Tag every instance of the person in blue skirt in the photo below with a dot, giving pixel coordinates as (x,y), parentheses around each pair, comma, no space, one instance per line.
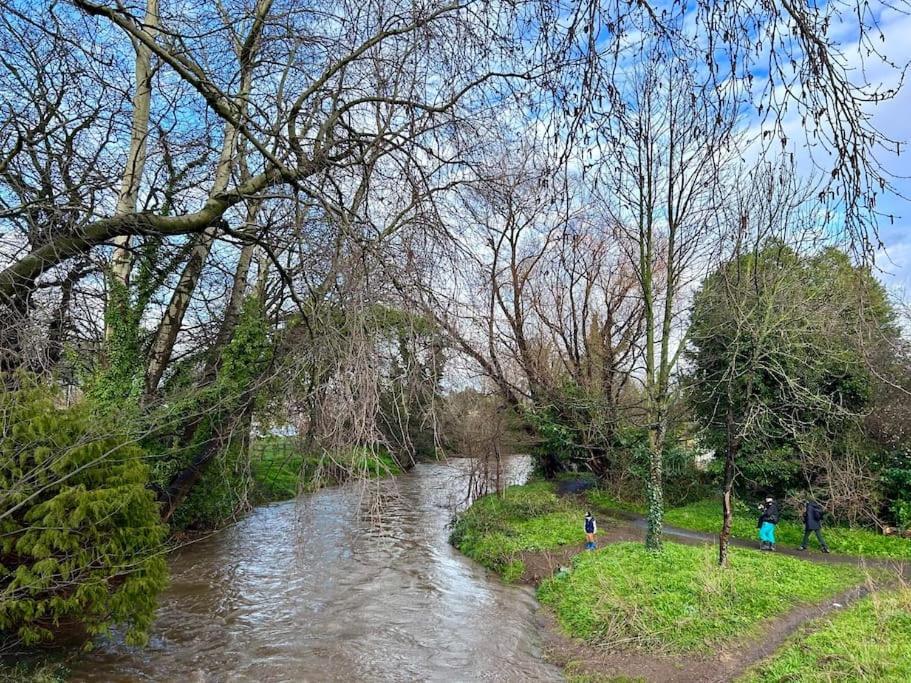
(768,518)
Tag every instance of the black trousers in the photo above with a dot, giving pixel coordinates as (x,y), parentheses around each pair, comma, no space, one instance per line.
(806,537)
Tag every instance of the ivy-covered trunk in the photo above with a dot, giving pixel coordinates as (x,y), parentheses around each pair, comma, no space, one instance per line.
(655,487)
(232,395)
(727,495)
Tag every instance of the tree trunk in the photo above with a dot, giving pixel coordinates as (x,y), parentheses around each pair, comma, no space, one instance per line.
(163,346)
(13,324)
(121,262)
(56,334)
(655,486)
(183,482)
(727,496)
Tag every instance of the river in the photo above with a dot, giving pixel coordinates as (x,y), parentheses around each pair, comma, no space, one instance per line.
(346,584)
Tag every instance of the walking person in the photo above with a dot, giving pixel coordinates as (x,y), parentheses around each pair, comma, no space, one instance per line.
(768,518)
(591,528)
(812,521)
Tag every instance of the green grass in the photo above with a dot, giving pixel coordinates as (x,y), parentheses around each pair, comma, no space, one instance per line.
(33,671)
(679,600)
(495,529)
(572,677)
(604,500)
(281,471)
(869,641)
(706,516)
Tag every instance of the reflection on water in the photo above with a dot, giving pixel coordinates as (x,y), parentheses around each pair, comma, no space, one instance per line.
(341,585)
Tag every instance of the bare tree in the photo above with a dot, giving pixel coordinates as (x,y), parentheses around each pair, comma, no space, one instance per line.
(664,178)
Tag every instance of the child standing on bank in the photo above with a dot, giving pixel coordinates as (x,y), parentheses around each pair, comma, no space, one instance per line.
(591,528)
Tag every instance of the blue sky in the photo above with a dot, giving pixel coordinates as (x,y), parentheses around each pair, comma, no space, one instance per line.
(893,118)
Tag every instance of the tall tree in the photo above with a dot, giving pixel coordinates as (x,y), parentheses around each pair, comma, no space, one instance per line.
(671,143)
(776,353)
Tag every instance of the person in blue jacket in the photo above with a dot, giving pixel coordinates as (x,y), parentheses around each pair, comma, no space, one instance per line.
(591,528)
(768,518)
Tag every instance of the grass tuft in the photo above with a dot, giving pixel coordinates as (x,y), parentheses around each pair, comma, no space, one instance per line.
(495,529)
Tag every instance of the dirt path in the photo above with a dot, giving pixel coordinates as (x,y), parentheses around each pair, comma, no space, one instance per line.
(727,665)
(782,628)
(634,526)
(730,662)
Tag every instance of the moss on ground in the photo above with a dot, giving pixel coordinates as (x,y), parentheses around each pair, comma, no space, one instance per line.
(868,641)
(679,600)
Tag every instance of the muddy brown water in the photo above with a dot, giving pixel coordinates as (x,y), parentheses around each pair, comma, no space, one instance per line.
(345,584)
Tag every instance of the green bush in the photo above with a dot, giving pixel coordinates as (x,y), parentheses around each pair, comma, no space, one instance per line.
(896,480)
(80,534)
(220,495)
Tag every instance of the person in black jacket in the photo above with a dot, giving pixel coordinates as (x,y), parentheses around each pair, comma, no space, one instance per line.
(768,518)
(812,521)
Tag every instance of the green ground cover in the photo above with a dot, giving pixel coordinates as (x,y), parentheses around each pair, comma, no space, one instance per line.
(281,470)
(706,516)
(33,671)
(680,601)
(869,641)
(599,498)
(495,529)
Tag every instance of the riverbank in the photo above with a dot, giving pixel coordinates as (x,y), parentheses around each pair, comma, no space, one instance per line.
(284,593)
(621,611)
(38,671)
(281,470)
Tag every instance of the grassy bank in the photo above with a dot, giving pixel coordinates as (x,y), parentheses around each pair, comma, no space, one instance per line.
(680,601)
(869,641)
(706,516)
(281,470)
(603,500)
(496,529)
(35,671)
